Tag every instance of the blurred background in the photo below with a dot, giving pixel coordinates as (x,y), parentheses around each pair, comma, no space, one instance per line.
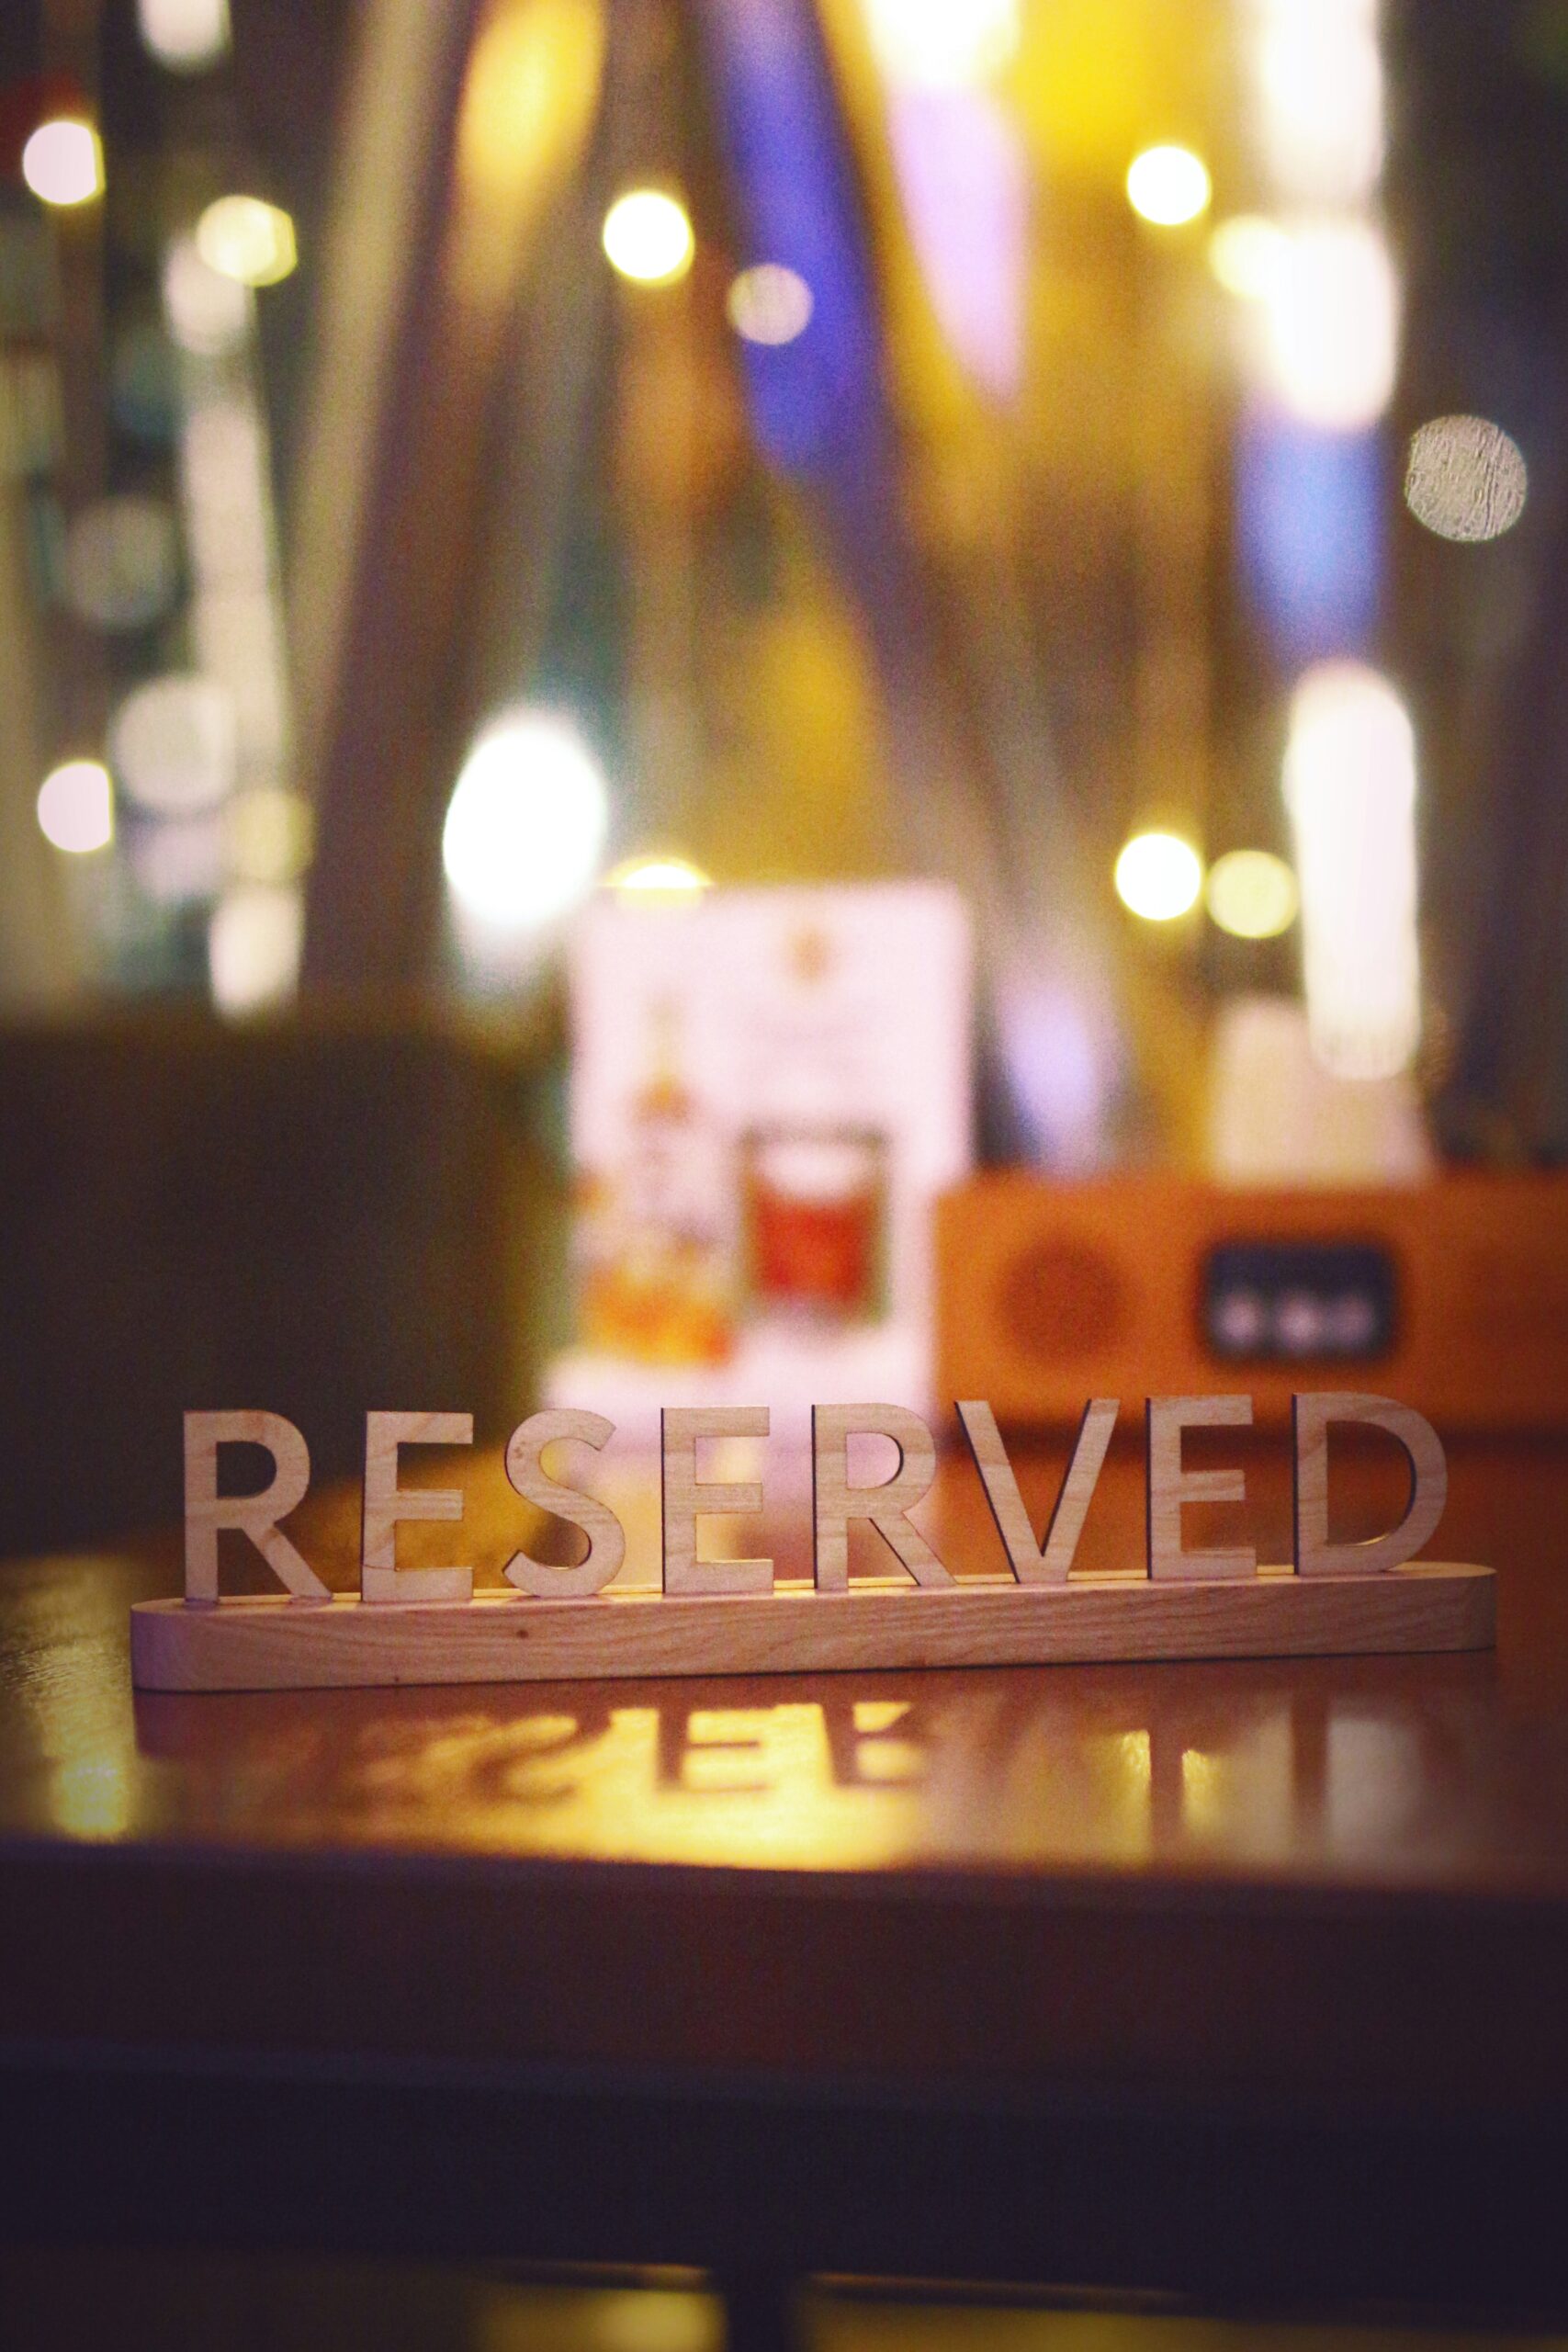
(533,532)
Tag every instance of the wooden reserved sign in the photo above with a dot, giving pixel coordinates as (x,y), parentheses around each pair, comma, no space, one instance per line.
(727,1616)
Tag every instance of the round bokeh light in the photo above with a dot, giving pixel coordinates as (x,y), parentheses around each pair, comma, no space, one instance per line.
(526,824)
(1252,894)
(1159,877)
(1465,479)
(647,236)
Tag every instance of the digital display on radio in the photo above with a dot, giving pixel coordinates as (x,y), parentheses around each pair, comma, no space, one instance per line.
(1299,1302)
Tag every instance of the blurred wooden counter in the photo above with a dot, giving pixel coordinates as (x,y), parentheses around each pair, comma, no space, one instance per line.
(1232,1980)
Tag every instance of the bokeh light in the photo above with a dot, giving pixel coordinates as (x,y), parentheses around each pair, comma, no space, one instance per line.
(253,944)
(1320,82)
(1158,875)
(769,305)
(1168,186)
(121,561)
(942,44)
(271,834)
(75,806)
(208,312)
(1247,254)
(62,162)
(526,823)
(179,859)
(245,238)
(174,745)
(647,236)
(1252,894)
(1333,321)
(1465,479)
(1349,783)
(658,877)
(187,36)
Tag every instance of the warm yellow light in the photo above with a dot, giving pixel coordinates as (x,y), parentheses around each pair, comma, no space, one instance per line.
(271,834)
(245,238)
(658,877)
(1246,255)
(1465,479)
(769,305)
(1158,875)
(1251,894)
(62,162)
(647,236)
(75,806)
(1168,186)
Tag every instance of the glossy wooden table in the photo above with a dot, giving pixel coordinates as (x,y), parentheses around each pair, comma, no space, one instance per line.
(1242,1982)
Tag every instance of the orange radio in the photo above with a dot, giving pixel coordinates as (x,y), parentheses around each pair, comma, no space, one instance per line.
(1453,1295)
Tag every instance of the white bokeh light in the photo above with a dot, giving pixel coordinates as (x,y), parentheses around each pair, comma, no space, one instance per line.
(75,806)
(942,44)
(1159,877)
(187,36)
(525,826)
(769,305)
(1320,82)
(208,312)
(647,236)
(62,162)
(1332,310)
(174,745)
(1168,186)
(1350,788)
(1465,479)
(253,945)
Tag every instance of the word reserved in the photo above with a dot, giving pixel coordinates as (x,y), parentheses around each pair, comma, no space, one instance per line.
(837,1500)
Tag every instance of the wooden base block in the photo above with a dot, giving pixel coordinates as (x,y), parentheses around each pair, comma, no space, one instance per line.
(284,1645)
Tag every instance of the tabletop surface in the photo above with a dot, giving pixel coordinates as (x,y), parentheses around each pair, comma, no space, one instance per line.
(1281,1876)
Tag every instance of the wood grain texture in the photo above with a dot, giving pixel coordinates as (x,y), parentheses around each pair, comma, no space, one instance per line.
(257,1645)
(1315,1554)
(1170,1486)
(527,1474)
(254,1515)
(684,1497)
(835,1501)
(1047,1563)
(381,1579)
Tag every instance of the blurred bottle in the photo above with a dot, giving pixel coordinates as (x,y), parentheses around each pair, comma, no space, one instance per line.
(655,1277)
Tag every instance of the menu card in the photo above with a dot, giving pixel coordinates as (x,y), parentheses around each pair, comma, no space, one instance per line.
(768,1088)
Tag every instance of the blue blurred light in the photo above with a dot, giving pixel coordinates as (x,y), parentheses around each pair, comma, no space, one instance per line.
(1311,523)
(815,402)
